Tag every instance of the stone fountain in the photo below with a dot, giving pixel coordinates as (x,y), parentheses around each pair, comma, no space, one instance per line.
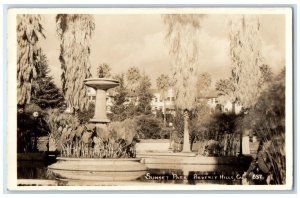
(80,171)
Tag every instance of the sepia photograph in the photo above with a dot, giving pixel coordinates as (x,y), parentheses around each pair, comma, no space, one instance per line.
(150,99)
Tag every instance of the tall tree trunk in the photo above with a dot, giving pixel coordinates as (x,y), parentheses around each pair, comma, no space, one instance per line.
(186,139)
(164,111)
(192,143)
(233,107)
(241,143)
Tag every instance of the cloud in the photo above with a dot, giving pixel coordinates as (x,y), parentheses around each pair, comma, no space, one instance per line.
(273,57)
(127,40)
(214,57)
(150,55)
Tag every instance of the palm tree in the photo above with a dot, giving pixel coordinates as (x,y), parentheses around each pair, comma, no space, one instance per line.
(163,84)
(29,31)
(133,77)
(104,70)
(75,33)
(183,38)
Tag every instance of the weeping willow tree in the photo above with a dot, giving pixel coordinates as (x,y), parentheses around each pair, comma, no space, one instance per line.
(246,61)
(183,39)
(246,58)
(75,32)
(29,31)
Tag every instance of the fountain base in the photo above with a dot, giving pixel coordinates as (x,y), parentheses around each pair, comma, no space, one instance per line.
(99,120)
(89,169)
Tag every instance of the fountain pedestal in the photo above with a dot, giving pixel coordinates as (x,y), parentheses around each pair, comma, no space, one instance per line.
(100,110)
(101,85)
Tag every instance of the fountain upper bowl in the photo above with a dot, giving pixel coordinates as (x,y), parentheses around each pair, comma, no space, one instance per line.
(101,83)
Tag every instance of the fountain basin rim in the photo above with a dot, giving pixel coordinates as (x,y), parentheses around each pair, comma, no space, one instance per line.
(101,83)
(100,79)
(96,159)
(98,169)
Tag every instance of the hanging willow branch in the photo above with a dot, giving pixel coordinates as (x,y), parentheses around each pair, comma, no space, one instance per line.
(75,32)
(29,30)
(246,58)
(183,39)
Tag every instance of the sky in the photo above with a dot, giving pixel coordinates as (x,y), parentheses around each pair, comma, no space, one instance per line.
(123,41)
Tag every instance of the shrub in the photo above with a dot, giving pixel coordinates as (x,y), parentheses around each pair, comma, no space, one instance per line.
(115,140)
(267,120)
(31,108)
(228,146)
(122,111)
(148,127)
(84,116)
(165,132)
(126,130)
(29,128)
(204,126)
(58,121)
(212,148)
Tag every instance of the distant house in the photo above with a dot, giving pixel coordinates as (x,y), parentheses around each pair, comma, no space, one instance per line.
(227,107)
(210,98)
(157,102)
(131,98)
(215,105)
(91,94)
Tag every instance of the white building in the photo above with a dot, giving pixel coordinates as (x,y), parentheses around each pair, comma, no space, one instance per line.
(227,107)
(214,104)
(157,102)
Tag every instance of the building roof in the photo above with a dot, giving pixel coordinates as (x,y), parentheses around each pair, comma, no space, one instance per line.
(210,94)
(154,91)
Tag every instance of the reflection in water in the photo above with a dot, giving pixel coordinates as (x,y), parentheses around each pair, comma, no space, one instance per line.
(181,174)
(34,170)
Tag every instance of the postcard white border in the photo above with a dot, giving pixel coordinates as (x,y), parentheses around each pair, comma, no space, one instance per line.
(12,95)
